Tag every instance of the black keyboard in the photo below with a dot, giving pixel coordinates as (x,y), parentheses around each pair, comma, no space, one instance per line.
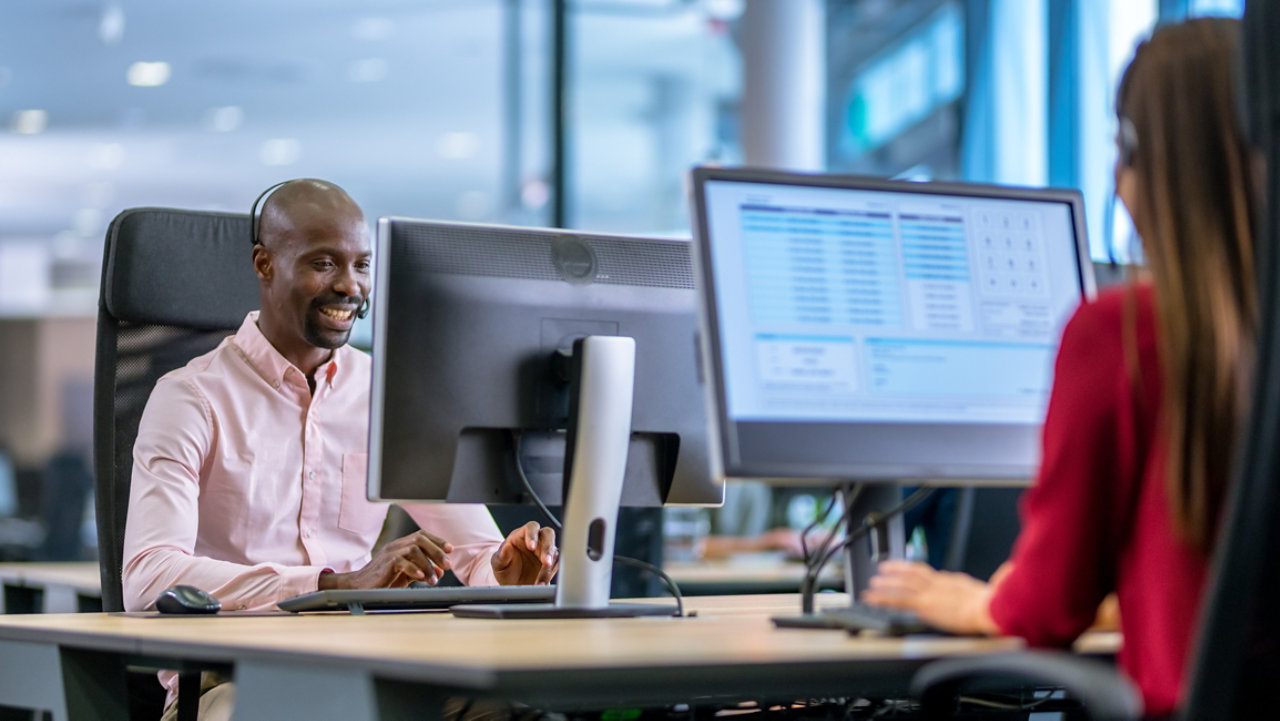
(414,598)
(860,617)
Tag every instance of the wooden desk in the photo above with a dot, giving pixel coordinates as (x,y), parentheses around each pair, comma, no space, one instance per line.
(51,587)
(393,666)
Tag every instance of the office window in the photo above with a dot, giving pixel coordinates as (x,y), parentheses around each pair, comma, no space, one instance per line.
(896,74)
(904,85)
(1112,32)
(653,88)
(1228,8)
(105,106)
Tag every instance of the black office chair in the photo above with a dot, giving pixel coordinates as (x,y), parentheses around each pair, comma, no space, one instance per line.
(1236,661)
(174,284)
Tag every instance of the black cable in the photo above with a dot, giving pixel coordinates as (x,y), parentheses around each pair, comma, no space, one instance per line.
(670,583)
(813,566)
(854,536)
(555,523)
(851,498)
(528,487)
(911,502)
(813,525)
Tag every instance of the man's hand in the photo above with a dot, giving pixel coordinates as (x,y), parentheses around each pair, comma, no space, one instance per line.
(419,556)
(528,556)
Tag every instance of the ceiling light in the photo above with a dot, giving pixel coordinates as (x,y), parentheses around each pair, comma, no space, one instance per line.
(280,151)
(535,194)
(148,75)
(368,70)
(458,145)
(29,122)
(106,156)
(111,25)
(225,119)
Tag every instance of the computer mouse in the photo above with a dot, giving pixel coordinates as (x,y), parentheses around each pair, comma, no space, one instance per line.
(187,599)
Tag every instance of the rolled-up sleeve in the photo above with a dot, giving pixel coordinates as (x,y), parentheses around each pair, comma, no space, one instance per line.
(471,530)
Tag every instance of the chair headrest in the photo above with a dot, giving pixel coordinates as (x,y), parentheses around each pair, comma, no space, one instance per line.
(188,268)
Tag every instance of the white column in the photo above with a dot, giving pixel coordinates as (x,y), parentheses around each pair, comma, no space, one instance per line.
(784,83)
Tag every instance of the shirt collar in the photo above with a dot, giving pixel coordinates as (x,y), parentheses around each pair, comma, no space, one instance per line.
(268,363)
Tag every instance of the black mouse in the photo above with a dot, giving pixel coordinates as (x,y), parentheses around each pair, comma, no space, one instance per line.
(187,599)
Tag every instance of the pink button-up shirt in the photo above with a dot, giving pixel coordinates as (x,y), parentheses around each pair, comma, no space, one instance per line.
(248,485)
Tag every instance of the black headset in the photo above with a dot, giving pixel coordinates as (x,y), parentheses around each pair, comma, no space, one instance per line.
(255,223)
(1128,139)
(255,212)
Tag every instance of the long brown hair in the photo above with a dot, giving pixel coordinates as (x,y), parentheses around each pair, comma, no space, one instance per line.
(1195,211)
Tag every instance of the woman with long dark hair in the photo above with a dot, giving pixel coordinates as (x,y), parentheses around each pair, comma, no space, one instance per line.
(1150,391)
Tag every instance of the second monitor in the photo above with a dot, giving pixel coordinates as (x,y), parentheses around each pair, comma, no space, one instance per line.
(874,332)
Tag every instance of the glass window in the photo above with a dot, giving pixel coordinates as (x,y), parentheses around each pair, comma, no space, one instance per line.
(896,74)
(653,90)
(1112,237)
(1229,8)
(904,84)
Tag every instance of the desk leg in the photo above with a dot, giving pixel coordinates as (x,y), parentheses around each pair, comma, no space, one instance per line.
(269,691)
(88,603)
(94,686)
(23,599)
(39,684)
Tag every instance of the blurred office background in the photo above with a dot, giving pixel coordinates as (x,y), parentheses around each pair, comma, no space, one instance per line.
(582,113)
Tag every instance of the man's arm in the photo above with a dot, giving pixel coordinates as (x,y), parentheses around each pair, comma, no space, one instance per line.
(480,556)
(174,439)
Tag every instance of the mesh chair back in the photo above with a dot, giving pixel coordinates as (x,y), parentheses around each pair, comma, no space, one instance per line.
(174,284)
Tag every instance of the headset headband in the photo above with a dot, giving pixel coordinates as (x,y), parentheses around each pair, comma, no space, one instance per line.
(255,212)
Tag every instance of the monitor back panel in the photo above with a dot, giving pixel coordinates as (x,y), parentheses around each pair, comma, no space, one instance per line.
(467,322)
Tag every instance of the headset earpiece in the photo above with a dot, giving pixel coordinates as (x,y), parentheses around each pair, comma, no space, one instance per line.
(1128,141)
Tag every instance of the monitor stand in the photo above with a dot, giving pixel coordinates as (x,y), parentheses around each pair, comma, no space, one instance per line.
(885,539)
(596,460)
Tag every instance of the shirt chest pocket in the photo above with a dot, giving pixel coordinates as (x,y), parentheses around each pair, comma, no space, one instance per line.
(357,514)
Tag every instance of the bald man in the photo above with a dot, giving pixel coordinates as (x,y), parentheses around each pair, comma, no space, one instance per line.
(250,463)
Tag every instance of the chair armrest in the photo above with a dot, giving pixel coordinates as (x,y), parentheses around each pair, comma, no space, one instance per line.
(1099,687)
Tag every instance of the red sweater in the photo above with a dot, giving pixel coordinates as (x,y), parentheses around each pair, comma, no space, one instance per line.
(1097,519)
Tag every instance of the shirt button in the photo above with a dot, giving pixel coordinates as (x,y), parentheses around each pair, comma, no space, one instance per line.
(306,533)
(275,384)
(312,475)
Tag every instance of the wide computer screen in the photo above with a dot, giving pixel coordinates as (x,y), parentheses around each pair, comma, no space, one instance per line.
(864,329)
(473,328)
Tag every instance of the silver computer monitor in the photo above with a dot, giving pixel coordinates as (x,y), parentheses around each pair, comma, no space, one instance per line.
(873,330)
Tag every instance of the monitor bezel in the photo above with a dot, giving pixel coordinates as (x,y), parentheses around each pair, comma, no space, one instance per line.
(724,437)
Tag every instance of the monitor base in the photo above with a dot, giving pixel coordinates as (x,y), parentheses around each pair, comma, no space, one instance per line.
(551,610)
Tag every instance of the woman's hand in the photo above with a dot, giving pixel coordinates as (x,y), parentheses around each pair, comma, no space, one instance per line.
(954,602)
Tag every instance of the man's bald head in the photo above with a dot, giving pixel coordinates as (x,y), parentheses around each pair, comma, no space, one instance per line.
(296,204)
(312,262)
